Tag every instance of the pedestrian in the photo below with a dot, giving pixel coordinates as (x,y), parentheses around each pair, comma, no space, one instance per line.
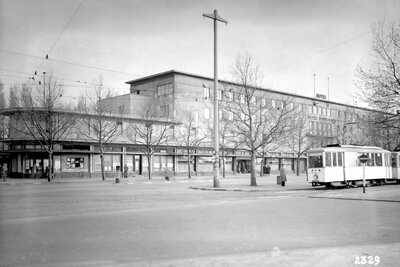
(47,173)
(126,171)
(2,173)
(282,174)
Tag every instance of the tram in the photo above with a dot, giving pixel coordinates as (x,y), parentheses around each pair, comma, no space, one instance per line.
(396,165)
(340,165)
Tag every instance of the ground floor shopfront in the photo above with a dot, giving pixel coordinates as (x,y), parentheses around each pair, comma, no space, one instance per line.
(83,160)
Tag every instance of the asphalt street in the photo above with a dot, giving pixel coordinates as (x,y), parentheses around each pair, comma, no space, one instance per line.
(85,224)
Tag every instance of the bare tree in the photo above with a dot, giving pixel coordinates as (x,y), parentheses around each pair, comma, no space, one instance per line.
(150,134)
(226,134)
(255,124)
(189,135)
(42,117)
(2,118)
(98,126)
(298,139)
(2,98)
(13,101)
(381,82)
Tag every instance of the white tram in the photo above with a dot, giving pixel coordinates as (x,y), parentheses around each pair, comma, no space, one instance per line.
(396,165)
(339,164)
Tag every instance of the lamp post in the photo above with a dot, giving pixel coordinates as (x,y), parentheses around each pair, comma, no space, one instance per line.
(363,159)
(215,17)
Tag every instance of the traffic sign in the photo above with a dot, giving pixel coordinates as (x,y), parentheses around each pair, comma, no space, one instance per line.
(363,158)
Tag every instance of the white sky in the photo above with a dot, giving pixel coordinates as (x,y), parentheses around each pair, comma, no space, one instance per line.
(289,39)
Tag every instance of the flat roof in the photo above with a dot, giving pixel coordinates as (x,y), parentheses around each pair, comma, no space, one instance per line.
(172,72)
(120,117)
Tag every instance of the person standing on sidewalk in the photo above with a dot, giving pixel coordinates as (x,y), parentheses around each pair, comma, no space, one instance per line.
(126,169)
(3,173)
(282,174)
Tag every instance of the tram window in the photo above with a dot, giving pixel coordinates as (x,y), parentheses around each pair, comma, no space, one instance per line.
(394,163)
(370,161)
(334,159)
(339,159)
(328,162)
(315,161)
(378,159)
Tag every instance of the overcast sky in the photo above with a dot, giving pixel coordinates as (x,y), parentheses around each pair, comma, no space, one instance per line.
(289,39)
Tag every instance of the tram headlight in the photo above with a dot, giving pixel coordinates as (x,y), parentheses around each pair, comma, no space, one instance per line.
(315,177)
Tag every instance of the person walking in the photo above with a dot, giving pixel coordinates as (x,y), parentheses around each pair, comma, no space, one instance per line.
(282,174)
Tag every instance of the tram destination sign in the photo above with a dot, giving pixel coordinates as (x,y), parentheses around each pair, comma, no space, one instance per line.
(363,158)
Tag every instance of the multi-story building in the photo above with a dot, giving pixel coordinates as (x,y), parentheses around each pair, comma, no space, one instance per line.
(179,97)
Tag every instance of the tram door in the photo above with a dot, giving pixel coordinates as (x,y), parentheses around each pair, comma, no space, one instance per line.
(396,165)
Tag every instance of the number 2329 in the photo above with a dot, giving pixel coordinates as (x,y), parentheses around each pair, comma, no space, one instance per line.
(370,260)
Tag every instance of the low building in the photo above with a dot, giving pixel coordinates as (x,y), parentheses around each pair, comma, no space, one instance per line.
(174,95)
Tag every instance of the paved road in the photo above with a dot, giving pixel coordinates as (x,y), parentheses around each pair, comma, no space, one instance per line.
(110,224)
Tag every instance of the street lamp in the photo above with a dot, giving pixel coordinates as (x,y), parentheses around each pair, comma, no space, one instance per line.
(215,17)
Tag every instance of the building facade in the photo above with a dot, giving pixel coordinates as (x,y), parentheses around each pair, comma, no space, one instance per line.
(182,97)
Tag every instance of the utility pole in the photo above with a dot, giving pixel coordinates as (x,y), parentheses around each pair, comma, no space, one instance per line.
(314,75)
(215,17)
(328,87)
(44,88)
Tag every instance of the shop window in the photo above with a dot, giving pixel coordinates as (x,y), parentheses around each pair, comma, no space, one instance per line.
(75,163)
(116,163)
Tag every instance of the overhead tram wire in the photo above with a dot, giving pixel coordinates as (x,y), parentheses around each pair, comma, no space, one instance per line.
(61,80)
(349,40)
(65,27)
(59,35)
(69,62)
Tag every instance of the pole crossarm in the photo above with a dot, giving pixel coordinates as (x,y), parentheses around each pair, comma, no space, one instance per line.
(215,16)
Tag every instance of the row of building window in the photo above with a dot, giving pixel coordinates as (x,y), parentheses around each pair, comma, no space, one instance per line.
(321,128)
(313,109)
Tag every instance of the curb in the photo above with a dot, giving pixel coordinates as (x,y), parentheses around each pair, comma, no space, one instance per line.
(359,199)
(235,189)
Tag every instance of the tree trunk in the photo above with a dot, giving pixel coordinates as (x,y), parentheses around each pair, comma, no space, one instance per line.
(188,164)
(223,163)
(253,179)
(103,177)
(50,174)
(149,166)
(298,166)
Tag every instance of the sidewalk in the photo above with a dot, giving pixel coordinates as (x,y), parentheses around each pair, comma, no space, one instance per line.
(264,184)
(229,182)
